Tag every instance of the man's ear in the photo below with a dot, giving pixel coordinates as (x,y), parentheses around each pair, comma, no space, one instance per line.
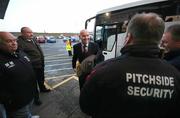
(128,39)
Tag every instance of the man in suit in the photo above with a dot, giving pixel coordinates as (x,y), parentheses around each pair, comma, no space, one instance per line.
(83,50)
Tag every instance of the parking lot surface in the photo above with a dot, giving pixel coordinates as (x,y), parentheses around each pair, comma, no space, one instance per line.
(63,100)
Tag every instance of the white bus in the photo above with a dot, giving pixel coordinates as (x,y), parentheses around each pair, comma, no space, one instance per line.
(109,30)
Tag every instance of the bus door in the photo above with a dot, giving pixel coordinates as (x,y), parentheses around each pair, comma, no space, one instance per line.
(106,36)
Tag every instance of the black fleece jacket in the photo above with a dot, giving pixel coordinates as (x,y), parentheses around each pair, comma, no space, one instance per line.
(17,80)
(135,85)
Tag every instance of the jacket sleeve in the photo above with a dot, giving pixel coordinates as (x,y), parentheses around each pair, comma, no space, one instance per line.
(90,95)
(74,58)
(4,95)
(20,46)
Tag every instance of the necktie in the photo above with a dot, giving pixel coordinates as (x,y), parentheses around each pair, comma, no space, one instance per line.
(85,49)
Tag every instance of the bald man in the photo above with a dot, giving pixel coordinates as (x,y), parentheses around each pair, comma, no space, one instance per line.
(17,79)
(27,42)
(83,50)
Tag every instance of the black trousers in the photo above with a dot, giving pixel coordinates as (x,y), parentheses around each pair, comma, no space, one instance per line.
(70,52)
(39,72)
(40,77)
(82,80)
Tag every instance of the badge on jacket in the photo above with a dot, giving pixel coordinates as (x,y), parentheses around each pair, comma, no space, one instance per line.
(10,64)
(27,58)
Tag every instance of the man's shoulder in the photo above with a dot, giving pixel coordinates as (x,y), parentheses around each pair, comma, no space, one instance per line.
(77,45)
(176,62)
(2,57)
(108,64)
(104,68)
(93,43)
(173,57)
(20,39)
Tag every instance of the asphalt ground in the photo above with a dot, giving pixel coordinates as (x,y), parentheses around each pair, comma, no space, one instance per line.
(63,100)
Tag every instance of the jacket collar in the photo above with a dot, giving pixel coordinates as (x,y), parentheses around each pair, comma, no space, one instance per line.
(24,39)
(13,55)
(21,37)
(172,54)
(139,50)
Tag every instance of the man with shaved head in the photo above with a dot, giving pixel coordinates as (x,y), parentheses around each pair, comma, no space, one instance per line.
(17,79)
(83,50)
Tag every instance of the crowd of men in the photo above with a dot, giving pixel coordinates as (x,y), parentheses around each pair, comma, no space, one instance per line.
(139,83)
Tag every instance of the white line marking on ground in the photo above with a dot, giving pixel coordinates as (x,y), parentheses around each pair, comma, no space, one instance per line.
(76,78)
(48,86)
(54,55)
(58,64)
(49,78)
(64,57)
(61,83)
(57,60)
(58,69)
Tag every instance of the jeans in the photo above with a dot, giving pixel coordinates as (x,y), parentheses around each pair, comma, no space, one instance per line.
(2,111)
(24,112)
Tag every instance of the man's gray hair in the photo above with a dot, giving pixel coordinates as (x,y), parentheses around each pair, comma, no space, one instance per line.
(146,28)
(175,31)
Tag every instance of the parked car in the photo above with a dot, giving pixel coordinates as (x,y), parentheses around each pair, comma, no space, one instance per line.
(51,40)
(60,37)
(75,38)
(41,39)
(65,39)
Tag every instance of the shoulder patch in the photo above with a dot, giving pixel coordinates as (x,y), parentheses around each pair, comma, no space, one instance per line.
(9,64)
(27,58)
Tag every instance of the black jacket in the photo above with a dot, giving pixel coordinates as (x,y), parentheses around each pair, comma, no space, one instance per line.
(17,80)
(33,50)
(173,57)
(79,55)
(134,85)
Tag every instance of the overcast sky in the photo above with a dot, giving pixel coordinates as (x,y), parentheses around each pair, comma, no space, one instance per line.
(53,15)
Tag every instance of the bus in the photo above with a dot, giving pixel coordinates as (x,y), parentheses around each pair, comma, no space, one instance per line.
(110,24)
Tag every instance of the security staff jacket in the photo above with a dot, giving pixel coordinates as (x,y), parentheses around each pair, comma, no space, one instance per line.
(17,80)
(33,50)
(135,85)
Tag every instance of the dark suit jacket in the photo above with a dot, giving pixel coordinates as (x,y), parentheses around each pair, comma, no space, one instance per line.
(79,55)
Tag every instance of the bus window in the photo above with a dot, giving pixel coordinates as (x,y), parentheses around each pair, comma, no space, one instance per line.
(98,36)
(109,37)
(120,43)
